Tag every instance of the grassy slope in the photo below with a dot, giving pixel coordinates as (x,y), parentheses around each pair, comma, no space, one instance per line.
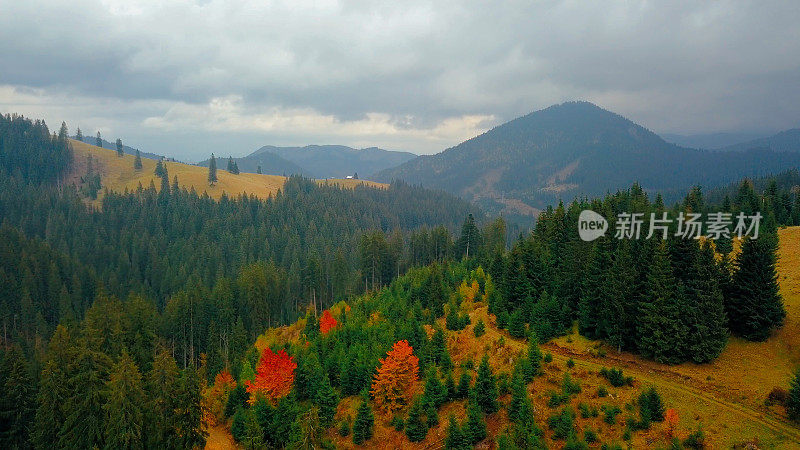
(118,174)
(726,396)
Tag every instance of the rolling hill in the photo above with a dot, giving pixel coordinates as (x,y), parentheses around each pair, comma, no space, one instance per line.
(785,141)
(321,161)
(117,174)
(574,149)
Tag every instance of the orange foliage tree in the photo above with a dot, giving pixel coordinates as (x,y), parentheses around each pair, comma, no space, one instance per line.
(216,396)
(274,376)
(396,381)
(327,322)
(672,421)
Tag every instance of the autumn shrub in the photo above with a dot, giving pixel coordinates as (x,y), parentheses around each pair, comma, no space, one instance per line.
(274,376)
(602,392)
(570,387)
(777,396)
(696,440)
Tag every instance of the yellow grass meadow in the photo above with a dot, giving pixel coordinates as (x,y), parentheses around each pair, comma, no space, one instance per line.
(117,175)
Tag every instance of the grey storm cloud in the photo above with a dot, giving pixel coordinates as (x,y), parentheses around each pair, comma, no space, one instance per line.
(413,75)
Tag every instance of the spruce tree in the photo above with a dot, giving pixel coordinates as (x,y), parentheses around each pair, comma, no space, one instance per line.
(258,170)
(434,389)
(79,135)
(662,331)
(475,428)
(137,161)
(85,423)
(189,413)
(516,326)
(462,391)
(212,170)
(755,306)
(486,387)
(455,437)
(98,140)
(17,400)
(533,366)
(364,423)
(469,242)
(120,148)
(53,389)
(327,399)
(793,402)
(162,402)
(431,413)
(124,409)
(708,324)
(415,428)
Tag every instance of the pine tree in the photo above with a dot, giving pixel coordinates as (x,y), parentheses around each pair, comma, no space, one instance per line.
(468,244)
(212,170)
(137,161)
(793,402)
(98,140)
(258,170)
(189,419)
(755,306)
(475,428)
(364,423)
(708,324)
(79,135)
(327,399)
(434,389)
(124,409)
(63,133)
(160,387)
(53,389)
(464,382)
(516,326)
(17,400)
(120,148)
(533,366)
(455,437)
(84,424)
(651,408)
(232,166)
(661,328)
(416,429)
(486,387)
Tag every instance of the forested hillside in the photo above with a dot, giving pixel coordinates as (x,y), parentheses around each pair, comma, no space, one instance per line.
(168,273)
(454,355)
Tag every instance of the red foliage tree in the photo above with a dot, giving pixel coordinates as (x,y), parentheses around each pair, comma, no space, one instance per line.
(396,381)
(327,322)
(672,422)
(274,376)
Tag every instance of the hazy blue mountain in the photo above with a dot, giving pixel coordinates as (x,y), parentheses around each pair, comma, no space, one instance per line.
(113,146)
(785,141)
(338,161)
(710,141)
(271,164)
(575,149)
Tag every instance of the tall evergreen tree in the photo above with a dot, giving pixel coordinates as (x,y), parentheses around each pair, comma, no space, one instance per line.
(137,161)
(662,331)
(120,148)
(415,428)
(486,387)
(124,409)
(79,135)
(189,421)
(53,390)
(755,306)
(455,436)
(98,140)
(17,400)
(708,324)
(162,402)
(364,423)
(327,399)
(475,428)
(212,170)
(468,244)
(793,402)
(84,424)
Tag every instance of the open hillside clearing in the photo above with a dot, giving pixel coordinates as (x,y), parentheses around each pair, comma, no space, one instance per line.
(117,175)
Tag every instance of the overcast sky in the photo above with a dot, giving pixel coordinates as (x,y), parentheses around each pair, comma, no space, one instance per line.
(187,78)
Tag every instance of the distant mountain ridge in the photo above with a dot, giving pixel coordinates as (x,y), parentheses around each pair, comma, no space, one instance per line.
(575,149)
(785,141)
(270,163)
(710,141)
